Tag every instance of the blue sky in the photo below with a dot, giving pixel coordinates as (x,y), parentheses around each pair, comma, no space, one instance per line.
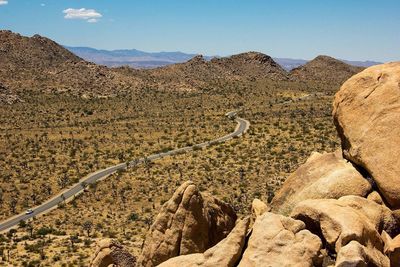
(348,29)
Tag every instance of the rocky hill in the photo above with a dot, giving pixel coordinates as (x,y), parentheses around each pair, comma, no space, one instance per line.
(199,72)
(41,64)
(32,52)
(325,69)
(338,209)
(37,63)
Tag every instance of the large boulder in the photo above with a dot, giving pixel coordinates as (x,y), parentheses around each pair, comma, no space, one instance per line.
(111,252)
(357,255)
(339,221)
(225,254)
(322,176)
(187,223)
(277,240)
(366,113)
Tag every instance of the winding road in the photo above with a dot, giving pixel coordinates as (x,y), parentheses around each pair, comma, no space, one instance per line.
(242,126)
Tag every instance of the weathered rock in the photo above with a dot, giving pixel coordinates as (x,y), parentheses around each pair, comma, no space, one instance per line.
(375,197)
(357,255)
(186,224)
(225,254)
(280,241)
(349,218)
(323,176)
(366,112)
(111,252)
(379,215)
(392,248)
(258,208)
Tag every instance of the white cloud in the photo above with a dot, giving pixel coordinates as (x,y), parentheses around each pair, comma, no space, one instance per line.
(42,4)
(90,15)
(3,2)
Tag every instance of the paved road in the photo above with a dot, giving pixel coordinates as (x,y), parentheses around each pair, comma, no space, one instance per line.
(68,194)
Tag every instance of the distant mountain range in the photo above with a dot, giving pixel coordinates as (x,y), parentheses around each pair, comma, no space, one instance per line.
(144,60)
(131,57)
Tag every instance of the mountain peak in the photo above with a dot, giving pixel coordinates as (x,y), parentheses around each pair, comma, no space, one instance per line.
(325,68)
(197,59)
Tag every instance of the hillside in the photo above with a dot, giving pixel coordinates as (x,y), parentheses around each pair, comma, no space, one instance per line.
(325,69)
(200,73)
(39,63)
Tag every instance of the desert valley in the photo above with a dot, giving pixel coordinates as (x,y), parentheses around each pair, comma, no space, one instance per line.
(221,161)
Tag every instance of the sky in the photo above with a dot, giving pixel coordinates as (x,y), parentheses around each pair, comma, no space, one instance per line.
(345,29)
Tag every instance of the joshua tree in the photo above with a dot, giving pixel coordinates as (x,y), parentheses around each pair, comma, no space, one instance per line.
(73,239)
(87,226)
(29,227)
(13,204)
(63,181)
(1,197)
(241,173)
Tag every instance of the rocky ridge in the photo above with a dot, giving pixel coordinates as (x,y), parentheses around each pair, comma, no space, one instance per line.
(325,222)
(40,64)
(321,69)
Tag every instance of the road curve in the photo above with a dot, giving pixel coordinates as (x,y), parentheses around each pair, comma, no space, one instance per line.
(242,126)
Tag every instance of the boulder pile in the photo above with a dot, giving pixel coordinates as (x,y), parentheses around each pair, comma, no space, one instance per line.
(337,209)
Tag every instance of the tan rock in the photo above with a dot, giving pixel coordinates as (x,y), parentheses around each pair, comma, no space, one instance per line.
(392,248)
(375,197)
(366,112)
(225,254)
(323,176)
(379,215)
(111,252)
(186,224)
(258,208)
(280,241)
(357,255)
(349,218)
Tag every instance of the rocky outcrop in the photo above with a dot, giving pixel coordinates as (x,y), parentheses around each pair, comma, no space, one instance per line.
(111,252)
(280,241)
(225,253)
(323,176)
(355,254)
(367,117)
(258,208)
(349,218)
(187,223)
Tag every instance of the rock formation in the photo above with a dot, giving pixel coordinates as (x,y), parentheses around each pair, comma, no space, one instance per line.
(111,252)
(367,116)
(187,223)
(323,176)
(258,208)
(355,254)
(280,241)
(348,218)
(225,253)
